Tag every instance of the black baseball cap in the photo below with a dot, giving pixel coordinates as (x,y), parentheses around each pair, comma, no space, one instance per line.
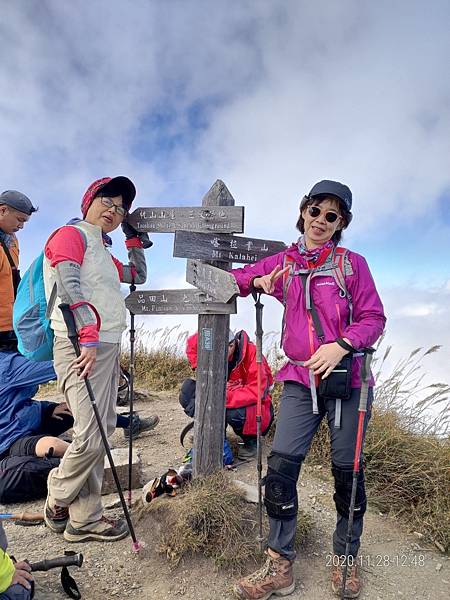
(326,187)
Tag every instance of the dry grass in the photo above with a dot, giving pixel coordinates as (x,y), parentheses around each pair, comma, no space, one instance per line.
(407,448)
(209,518)
(160,363)
(47,389)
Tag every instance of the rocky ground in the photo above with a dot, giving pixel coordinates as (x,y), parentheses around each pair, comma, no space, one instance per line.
(395,564)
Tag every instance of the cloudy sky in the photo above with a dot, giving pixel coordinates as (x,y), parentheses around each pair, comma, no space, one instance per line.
(269,96)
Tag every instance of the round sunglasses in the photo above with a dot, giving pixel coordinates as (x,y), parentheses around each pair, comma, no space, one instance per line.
(120,210)
(330,216)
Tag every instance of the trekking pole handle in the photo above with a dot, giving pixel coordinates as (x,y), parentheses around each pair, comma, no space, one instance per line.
(71,560)
(365,376)
(69,320)
(259,329)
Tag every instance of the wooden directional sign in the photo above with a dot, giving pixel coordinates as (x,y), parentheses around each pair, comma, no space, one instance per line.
(176,302)
(209,246)
(218,283)
(223,219)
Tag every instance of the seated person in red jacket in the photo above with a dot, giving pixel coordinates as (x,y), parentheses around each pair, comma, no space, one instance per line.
(242,390)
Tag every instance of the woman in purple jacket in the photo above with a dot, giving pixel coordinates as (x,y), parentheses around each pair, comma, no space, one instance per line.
(332,310)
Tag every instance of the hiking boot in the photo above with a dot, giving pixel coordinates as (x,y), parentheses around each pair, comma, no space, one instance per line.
(275,577)
(104,530)
(352,583)
(56,518)
(247,450)
(140,425)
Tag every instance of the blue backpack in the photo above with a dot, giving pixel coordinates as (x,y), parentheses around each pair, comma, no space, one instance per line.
(31,314)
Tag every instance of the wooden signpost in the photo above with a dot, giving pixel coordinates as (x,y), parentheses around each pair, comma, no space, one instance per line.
(226,248)
(203,235)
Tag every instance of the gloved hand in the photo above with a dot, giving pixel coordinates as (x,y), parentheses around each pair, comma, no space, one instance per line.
(130,232)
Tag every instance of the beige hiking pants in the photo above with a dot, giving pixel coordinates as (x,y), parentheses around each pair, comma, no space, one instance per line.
(77,482)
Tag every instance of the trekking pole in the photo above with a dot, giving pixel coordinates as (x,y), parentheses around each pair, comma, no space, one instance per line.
(365,372)
(73,337)
(131,400)
(25,516)
(70,559)
(259,335)
(146,243)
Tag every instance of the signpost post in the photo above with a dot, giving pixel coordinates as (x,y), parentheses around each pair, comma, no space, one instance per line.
(202,234)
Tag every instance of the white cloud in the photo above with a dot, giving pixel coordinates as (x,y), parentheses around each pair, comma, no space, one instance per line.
(418,310)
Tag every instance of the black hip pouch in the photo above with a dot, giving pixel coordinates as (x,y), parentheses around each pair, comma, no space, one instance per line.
(338,384)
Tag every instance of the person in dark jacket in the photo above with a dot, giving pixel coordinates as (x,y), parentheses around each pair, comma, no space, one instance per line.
(242,390)
(30,430)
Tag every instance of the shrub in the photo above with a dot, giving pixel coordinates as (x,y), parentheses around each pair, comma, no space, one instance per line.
(209,517)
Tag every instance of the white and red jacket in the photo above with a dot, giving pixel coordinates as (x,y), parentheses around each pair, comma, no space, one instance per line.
(96,277)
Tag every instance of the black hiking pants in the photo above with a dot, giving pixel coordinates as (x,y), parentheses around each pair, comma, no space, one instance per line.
(296,426)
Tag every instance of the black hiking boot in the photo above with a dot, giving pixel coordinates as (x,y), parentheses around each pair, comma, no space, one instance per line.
(247,451)
(140,425)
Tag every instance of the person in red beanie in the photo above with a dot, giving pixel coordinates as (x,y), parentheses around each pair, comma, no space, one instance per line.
(87,277)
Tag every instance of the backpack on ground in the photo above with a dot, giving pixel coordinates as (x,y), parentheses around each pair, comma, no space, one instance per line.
(31,314)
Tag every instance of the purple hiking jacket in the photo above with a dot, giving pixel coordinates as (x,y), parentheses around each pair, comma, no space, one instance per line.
(368,314)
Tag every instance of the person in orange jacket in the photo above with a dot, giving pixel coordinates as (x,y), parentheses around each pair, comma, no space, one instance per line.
(242,390)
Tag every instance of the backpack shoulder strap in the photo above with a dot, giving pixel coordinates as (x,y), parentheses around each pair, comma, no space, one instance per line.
(15,273)
(288,261)
(343,267)
(8,255)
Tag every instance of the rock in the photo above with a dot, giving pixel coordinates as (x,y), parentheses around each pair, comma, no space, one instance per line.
(438,566)
(418,534)
(439,546)
(250,491)
(144,396)
(120,458)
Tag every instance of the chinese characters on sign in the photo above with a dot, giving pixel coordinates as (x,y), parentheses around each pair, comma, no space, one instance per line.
(176,302)
(227,219)
(207,246)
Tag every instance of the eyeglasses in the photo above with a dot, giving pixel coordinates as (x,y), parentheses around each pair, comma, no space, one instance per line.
(330,216)
(120,210)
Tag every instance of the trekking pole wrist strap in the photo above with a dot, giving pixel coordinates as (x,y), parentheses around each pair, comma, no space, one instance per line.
(343,344)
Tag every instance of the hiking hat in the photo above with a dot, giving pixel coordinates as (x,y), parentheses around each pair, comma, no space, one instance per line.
(115,186)
(18,201)
(333,188)
(326,187)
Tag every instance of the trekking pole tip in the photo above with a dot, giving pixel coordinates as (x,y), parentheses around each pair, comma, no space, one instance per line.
(137,546)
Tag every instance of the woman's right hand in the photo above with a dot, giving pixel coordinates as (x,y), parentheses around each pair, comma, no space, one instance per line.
(267,282)
(85,363)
